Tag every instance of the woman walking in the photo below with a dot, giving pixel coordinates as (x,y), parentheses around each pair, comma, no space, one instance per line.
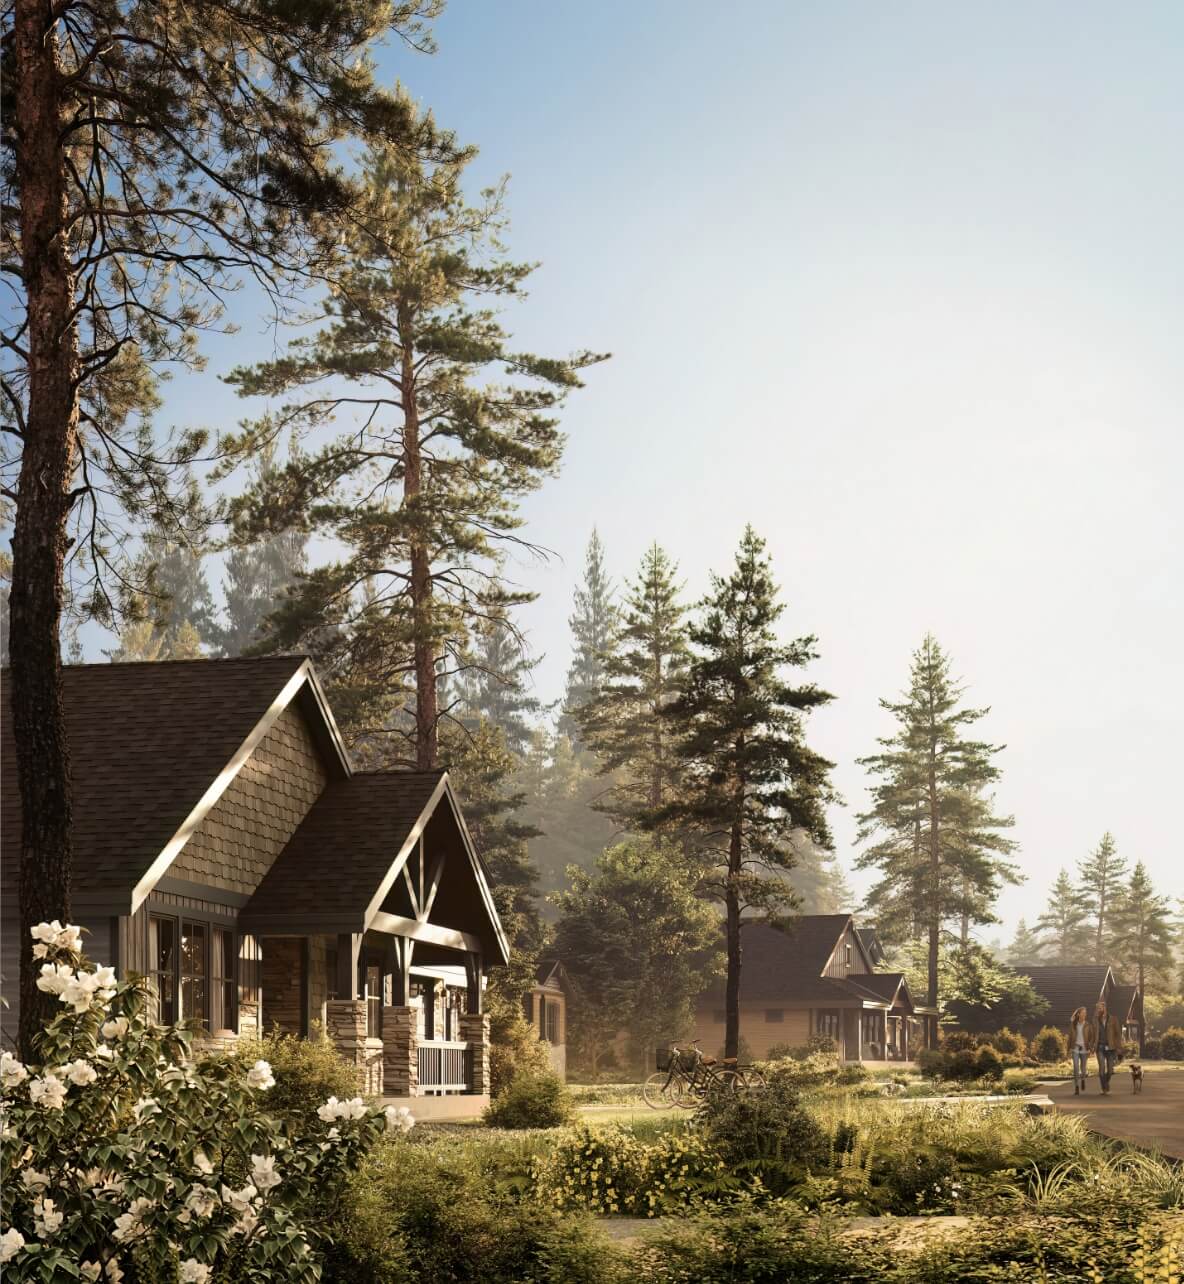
(1081,1040)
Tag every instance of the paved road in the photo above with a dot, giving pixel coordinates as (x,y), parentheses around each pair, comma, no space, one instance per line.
(1154,1118)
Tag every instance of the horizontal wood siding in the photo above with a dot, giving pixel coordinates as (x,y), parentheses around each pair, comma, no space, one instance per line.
(10,970)
(758,1033)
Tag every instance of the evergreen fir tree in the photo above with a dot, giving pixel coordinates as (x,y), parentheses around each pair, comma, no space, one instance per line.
(623,724)
(494,684)
(1143,932)
(594,623)
(177,592)
(941,857)
(1026,946)
(1099,882)
(451,427)
(750,779)
(1064,926)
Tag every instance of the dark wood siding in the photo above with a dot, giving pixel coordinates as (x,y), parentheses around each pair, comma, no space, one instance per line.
(10,970)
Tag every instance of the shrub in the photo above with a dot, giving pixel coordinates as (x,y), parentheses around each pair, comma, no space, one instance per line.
(307,1072)
(961,1065)
(1009,1044)
(853,1073)
(766,1133)
(1049,1045)
(440,1218)
(988,1063)
(530,1101)
(810,1071)
(782,1052)
(1152,1048)
(1018,1081)
(514,1045)
(1171,1044)
(132,1157)
(931,1062)
(959,1041)
(923,1182)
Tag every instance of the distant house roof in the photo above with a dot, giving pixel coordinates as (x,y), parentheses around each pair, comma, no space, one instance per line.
(785,964)
(550,975)
(871,944)
(1123,1002)
(1067,986)
(146,743)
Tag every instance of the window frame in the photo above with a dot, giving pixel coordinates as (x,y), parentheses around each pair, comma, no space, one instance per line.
(774,1016)
(177,917)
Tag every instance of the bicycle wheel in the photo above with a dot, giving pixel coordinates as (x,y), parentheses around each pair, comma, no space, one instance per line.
(751,1079)
(693,1092)
(662,1090)
(725,1083)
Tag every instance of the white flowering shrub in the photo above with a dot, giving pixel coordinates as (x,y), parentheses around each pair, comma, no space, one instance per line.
(124,1159)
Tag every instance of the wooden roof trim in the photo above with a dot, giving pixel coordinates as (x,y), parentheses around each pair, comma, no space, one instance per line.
(205,804)
(404,852)
(478,867)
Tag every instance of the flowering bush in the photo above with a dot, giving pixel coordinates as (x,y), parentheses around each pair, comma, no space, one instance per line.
(123,1158)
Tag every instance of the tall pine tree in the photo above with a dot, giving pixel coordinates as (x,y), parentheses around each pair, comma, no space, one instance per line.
(1099,882)
(1064,926)
(941,856)
(1026,946)
(495,684)
(623,723)
(750,778)
(1143,930)
(594,622)
(451,426)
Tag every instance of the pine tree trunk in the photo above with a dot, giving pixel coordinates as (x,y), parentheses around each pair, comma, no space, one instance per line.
(933,908)
(732,919)
(426,707)
(964,926)
(656,778)
(39,539)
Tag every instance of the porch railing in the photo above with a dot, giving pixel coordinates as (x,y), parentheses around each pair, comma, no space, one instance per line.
(444,1066)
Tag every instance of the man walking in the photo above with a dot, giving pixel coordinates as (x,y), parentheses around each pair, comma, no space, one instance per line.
(1109,1043)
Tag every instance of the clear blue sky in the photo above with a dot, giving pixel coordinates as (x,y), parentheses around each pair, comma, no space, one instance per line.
(901,285)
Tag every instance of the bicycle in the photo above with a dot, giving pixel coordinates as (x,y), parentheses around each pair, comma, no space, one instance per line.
(686,1077)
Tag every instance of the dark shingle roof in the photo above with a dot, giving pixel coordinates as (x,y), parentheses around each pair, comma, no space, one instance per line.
(146,741)
(871,943)
(786,963)
(881,985)
(1122,1000)
(1065,986)
(334,862)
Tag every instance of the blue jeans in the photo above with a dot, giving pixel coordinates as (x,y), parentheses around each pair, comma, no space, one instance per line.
(1080,1063)
(1106,1059)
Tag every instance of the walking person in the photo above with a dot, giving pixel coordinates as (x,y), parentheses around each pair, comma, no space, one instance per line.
(1081,1040)
(1109,1043)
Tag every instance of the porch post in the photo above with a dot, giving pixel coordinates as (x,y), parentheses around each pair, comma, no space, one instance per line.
(473,977)
(345,981)
(400,1035)
(474,1027)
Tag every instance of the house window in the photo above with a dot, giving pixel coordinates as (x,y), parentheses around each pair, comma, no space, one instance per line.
(193,972)
(222,986)
(553,1036)
(719,1016)
(827,1023)
(847,954)
(774,1016)
(162,958)
(374,1001)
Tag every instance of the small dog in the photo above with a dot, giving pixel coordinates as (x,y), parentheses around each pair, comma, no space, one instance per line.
(1137,1077)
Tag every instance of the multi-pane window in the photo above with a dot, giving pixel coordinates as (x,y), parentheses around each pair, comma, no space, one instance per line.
(162,958)
(222,984)
(553,1036)
(193,972)
(374,1002)
(827,1023)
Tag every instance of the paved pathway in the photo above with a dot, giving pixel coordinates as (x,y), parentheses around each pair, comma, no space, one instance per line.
(1153,1119)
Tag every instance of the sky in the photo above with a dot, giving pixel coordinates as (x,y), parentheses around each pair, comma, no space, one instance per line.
(899,284)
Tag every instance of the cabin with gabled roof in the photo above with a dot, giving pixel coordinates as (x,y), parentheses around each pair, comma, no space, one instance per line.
(226,848)
(815,975)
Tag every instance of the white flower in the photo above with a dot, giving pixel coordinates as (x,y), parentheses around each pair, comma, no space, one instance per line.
(334,1109)
(114,1271)
(260,1076)
(202,1163)
(263,1172)
(131,1223)
(247,1221)
(35,1183)
(193,1272)
(40,951)
(12,1071)
(47,932)
(48,1091)
(399,1119)
(90,1271)
(80,1073)
(201,1201)
(116,1028)
(11,1243)
(103,1052)
(328,1111)
(48,1220)
(70,938)
(55,977)
(145,1106)
(104,977)
(239,1200)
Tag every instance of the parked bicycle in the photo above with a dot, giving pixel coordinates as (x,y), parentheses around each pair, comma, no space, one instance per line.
(686,1077)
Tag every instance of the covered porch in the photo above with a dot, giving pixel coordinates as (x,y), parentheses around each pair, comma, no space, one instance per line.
(383,939)
(878,1024)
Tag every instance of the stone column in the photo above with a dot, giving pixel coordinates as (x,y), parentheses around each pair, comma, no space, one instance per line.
(346,1021)
(400,1052)
(474,1030)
